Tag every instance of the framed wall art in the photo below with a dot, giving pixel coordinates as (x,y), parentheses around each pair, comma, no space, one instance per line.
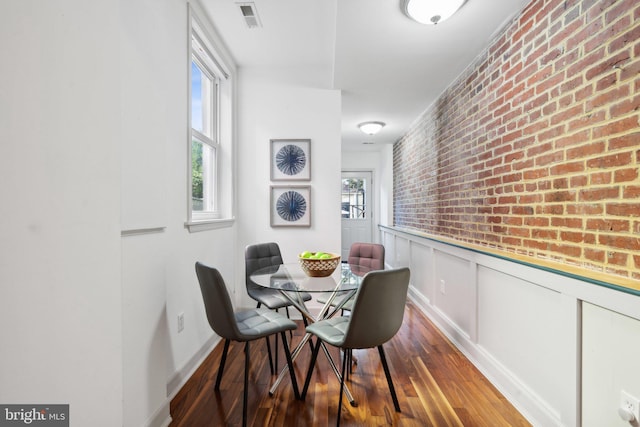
(291,206)
(290,159)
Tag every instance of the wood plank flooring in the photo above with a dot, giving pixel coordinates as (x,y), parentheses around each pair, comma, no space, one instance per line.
(436,386)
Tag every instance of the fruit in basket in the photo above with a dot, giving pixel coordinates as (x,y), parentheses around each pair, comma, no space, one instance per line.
(318,264)
(315,255)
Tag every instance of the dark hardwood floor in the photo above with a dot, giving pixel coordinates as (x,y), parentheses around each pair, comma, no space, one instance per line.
(436,386)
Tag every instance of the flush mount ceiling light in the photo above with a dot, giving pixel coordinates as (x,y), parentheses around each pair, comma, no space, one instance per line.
(431,11)
(371,128)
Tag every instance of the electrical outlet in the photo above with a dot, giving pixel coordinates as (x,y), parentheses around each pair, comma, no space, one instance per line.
(629,407)
(180,322)
(442,286)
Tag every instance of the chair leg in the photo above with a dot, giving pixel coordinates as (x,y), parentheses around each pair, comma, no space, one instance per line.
(288,317)
(383,359)
(273,369)
(287,353)
(344,366)
(314,356)
(306,323)
(245,394)
(223,360)
(276,351)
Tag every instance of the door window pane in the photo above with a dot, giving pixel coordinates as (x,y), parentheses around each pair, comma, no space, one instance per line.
(354,204)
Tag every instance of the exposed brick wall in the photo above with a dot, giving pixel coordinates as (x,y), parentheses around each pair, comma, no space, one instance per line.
(535,149)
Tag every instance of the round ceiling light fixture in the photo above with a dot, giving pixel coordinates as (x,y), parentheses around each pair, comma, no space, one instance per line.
(431,11)
(371,128)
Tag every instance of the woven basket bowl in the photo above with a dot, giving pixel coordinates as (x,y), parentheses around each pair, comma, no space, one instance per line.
(320,267)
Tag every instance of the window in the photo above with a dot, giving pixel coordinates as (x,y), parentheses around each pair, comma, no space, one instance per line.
(209,133)
(204,138)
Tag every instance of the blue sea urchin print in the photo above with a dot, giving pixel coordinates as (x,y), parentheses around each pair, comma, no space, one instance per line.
(291,160)
(291,206)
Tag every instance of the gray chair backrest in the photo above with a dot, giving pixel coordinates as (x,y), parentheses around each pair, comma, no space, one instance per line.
(217,303)
(259,256)
(369,255)
(378,309)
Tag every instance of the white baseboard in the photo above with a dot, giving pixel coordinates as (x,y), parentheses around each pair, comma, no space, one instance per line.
(161,417)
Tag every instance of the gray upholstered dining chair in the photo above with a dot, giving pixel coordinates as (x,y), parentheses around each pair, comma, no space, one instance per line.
(376,316)
(266,255)
(243,326)
(368,256)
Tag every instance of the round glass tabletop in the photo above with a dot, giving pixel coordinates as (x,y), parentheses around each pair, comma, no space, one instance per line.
(291,277)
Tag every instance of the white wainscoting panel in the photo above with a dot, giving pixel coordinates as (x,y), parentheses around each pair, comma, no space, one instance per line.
(559,347)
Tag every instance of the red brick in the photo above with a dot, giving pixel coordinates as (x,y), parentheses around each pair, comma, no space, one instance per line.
(616,225)
(573,139)
(625,106)
(631,192)
(623,209)
(617,258)
(625,175)
(617,61)
(614,160)
(599,178)
(562,116)
(594,56)
(624,141)
(607,98)
(579,181)
(620,242)
(595,194)
(630,71)
(587,120)
(594,255)
(550,158)
(589,150)
(567,222)
(560,196)
(568,250)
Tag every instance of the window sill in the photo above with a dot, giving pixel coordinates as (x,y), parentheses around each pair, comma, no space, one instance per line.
(209,224)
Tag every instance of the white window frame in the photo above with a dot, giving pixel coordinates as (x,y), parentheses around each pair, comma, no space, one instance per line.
(219,211)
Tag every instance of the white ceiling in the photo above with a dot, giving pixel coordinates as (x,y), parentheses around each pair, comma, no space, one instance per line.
(389,67)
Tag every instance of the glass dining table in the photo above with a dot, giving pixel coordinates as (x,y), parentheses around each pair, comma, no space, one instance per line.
(334,290)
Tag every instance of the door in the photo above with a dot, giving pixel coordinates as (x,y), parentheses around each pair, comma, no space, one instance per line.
(356,208)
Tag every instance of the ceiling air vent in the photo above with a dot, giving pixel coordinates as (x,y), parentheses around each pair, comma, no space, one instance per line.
(250,14)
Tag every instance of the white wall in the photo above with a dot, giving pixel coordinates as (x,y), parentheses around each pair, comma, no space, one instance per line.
(158,252)
(559,348)
(270,109)
(96,262)
(60,293)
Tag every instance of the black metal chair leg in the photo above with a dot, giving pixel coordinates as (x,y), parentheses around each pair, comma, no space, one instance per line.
(287,353)
(289,317)
(276,351)
(383,359)
(344,365)
(273,368)
(223,360)
(306,323)
(245,396)
(314,356)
